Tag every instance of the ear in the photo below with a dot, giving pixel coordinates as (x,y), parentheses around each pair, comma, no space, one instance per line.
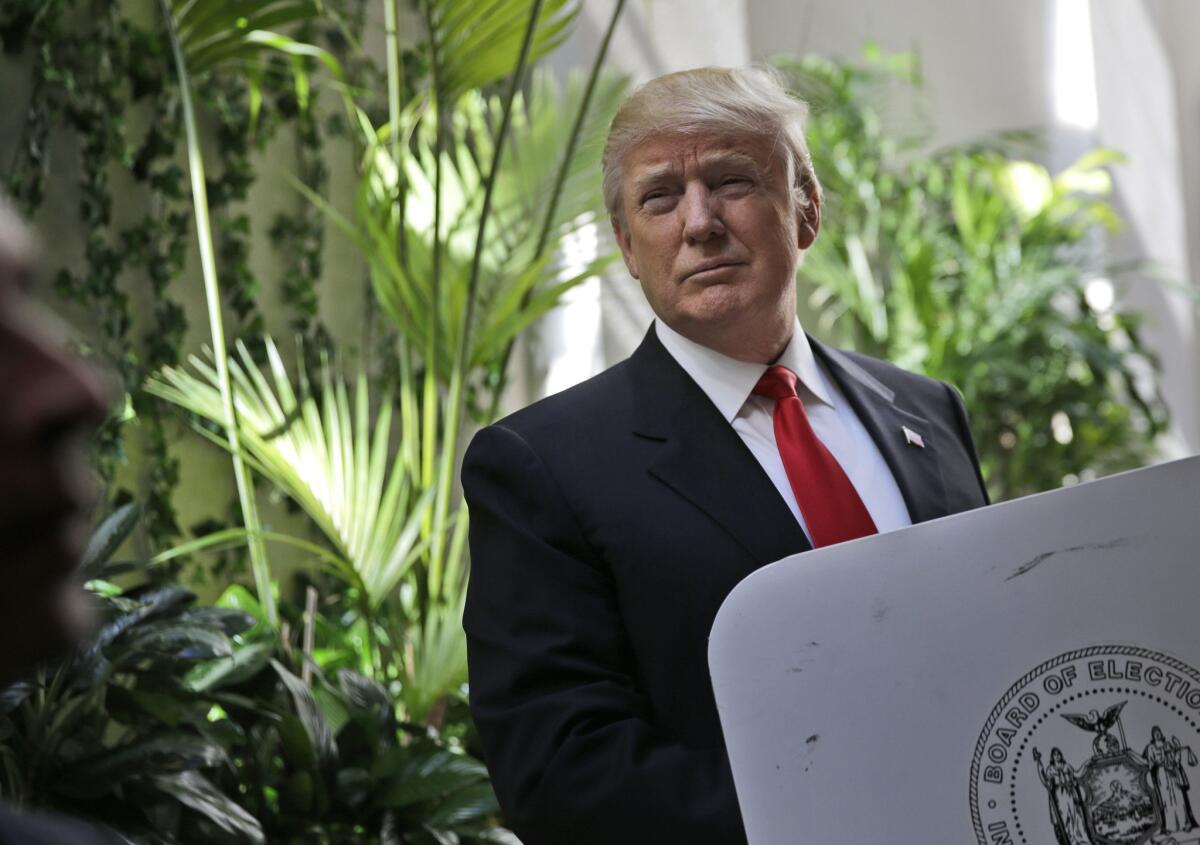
(808,220)
(626,245)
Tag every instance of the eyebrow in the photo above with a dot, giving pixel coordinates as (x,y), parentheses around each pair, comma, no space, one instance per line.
(728,158)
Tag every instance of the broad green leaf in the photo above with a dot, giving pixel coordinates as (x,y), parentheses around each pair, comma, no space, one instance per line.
(195,791)
(163,753)
(310,715)
(244,663)
(107,538)
(178,641)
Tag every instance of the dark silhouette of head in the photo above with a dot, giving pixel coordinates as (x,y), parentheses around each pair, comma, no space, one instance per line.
(50,403)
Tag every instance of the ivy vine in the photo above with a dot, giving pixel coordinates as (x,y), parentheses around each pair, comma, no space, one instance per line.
(103,118)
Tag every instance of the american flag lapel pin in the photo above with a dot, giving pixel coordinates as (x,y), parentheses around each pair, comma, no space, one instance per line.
(912,438)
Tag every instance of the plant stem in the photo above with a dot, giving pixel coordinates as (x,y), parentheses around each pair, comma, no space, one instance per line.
(441,510)
(564,166)
(560,181)
(395,73)
(429,409)
(212,292)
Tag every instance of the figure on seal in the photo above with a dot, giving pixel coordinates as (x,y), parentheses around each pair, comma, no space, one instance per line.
(1170,781)
(1066,799)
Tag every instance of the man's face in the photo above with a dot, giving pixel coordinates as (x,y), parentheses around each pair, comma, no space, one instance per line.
(711,232)
(49,404)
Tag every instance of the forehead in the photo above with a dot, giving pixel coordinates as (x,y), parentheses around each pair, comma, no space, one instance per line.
(677,152)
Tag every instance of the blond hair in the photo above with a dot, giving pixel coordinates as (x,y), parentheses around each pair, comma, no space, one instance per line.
(746,102)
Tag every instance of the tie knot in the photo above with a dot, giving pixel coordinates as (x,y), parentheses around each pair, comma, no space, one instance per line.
(776,383)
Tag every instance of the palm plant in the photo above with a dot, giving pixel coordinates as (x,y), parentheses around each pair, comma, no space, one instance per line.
(459,218)
(332,455)
(206,35)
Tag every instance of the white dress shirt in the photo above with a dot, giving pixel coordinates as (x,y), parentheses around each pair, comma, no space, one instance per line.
(729,382)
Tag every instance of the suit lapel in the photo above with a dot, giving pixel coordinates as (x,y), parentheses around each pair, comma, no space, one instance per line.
(703,459)
(915,468)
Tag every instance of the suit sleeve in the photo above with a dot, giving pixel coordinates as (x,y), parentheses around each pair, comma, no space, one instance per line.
(568,739)
(964,433)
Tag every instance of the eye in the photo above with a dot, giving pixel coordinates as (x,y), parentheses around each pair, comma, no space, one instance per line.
(657,199)
(733,180)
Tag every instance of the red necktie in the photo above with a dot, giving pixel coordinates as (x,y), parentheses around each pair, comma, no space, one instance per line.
(832,510)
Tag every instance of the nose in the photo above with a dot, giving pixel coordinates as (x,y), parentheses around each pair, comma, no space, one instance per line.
(701,215)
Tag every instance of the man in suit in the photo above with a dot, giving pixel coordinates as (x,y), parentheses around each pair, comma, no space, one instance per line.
(49,403)
(610,521)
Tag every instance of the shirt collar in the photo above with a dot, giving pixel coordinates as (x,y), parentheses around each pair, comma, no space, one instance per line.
(728,382)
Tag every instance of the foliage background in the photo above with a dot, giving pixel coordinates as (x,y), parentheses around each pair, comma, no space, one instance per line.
(927,258)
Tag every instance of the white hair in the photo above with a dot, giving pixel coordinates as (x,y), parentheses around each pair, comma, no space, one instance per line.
(750,102)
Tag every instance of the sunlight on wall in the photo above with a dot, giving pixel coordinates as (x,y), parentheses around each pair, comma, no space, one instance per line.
(1074,69)
(571,333)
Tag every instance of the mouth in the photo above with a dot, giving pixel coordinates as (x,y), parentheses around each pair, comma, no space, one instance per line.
(711,268)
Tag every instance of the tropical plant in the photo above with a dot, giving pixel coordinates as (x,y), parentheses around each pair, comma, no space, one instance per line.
(978,267)
(465,197)
(116,734)
(462,204)
(206,35)
(333,456)
(185,724)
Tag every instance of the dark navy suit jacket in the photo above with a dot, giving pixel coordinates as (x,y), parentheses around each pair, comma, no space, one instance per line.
(608,523)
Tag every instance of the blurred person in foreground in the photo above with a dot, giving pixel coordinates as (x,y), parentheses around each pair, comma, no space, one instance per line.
(50,403)
(610,521)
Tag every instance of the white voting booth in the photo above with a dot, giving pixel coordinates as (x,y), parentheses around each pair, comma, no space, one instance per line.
(1025,673)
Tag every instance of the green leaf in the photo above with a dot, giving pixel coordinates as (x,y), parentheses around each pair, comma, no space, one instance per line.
(331,458)
(197,792)
(12,696)
(297,744)
(229,621)
(309,714)
(107,538)
(238,597)
(365,695)
(472,803)
(167,709)
(163,753)
(243,664)
(174,640)
(150,606)
(426,773)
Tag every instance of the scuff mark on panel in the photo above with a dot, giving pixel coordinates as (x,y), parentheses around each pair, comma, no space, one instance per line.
(1035,561)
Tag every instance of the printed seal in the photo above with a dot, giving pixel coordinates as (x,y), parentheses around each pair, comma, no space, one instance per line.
(1095,747)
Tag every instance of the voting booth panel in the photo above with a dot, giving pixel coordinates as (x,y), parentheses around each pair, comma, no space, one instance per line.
(1025,673)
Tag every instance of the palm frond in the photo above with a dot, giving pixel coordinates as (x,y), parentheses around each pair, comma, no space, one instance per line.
(516,284)
(325,449)
(475,44)
(212,32)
